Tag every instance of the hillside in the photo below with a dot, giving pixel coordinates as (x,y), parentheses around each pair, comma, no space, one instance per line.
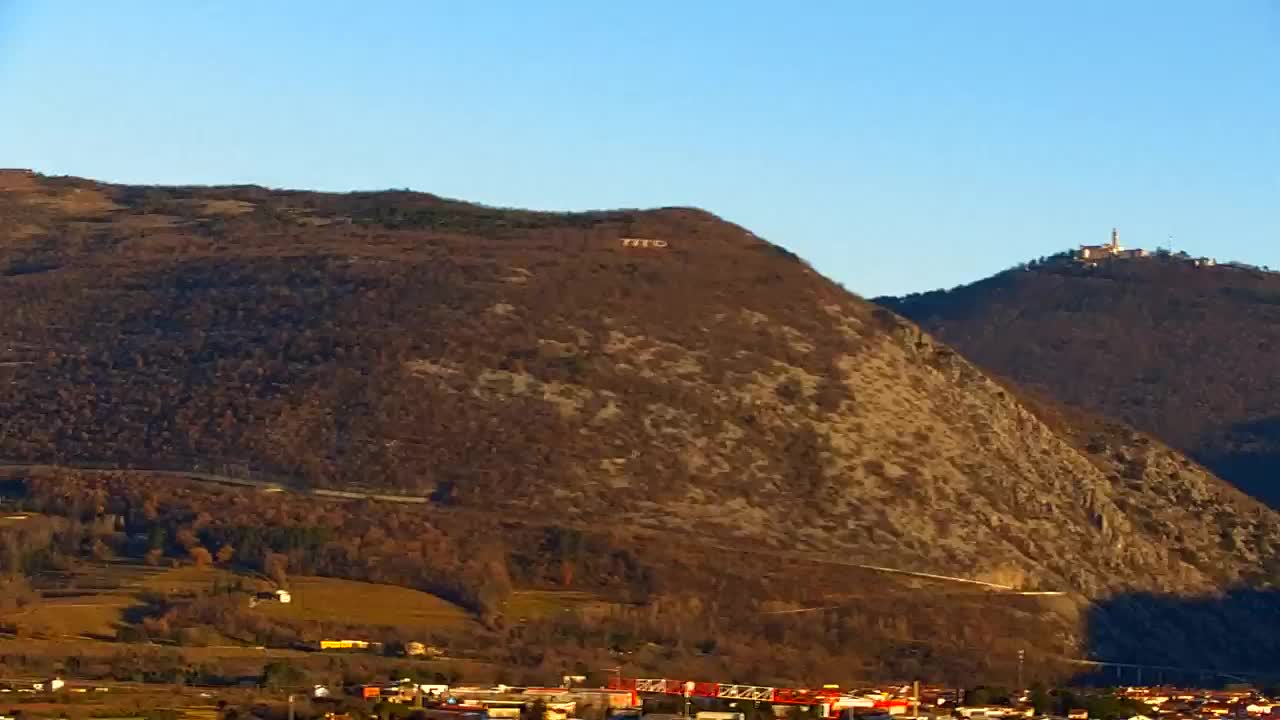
(1185,353)
(695,405)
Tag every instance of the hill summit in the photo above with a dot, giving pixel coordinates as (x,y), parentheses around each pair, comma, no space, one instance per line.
(1181,347)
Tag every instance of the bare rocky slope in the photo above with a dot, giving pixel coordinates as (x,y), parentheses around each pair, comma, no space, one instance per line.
(710,386)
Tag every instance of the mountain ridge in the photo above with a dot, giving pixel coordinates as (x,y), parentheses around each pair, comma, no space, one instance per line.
(712,388)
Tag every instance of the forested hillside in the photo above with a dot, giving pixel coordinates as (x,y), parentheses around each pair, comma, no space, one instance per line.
(1184,352)
(688,395)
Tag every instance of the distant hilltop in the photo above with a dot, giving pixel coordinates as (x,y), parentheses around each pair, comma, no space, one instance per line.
(1091,255)
(1177,346)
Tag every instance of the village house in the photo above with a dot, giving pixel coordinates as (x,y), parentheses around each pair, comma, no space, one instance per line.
(53,685)
(281,596)
(349,645)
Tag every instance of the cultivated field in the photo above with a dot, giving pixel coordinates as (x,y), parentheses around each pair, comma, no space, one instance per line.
(90,601)
(359,603)
(538,604)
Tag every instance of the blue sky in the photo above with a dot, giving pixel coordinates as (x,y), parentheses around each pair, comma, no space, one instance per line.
(897,145)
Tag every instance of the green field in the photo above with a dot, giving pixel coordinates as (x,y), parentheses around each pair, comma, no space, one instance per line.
(192,579)
(539,604)
(75,617)
(91,599)
(359,603)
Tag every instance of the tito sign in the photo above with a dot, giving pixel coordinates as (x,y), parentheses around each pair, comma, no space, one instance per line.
(643,243)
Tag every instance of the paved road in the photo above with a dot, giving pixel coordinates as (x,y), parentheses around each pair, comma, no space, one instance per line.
(263,485)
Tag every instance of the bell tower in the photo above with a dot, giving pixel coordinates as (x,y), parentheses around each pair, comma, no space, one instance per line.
(1115,240)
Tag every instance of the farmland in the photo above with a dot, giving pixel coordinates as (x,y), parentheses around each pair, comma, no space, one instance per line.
(92,600)
(360,603)
(539,604)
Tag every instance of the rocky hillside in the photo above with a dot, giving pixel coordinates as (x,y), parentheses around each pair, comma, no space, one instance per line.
(661,372)
(1183,352)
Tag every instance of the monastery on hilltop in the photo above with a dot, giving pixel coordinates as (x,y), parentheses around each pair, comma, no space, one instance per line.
(1093,253)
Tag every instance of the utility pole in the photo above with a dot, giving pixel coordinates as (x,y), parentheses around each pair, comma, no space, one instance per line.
(915,699)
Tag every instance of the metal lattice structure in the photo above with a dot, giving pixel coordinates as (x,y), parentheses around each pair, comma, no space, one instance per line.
(755,693)
(829,700)
(745,692)
(652,685)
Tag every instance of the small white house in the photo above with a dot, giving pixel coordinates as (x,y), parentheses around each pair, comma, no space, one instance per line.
(280,596)
(434,690)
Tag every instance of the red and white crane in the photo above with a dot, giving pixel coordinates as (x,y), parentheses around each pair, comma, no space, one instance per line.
(830,701)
